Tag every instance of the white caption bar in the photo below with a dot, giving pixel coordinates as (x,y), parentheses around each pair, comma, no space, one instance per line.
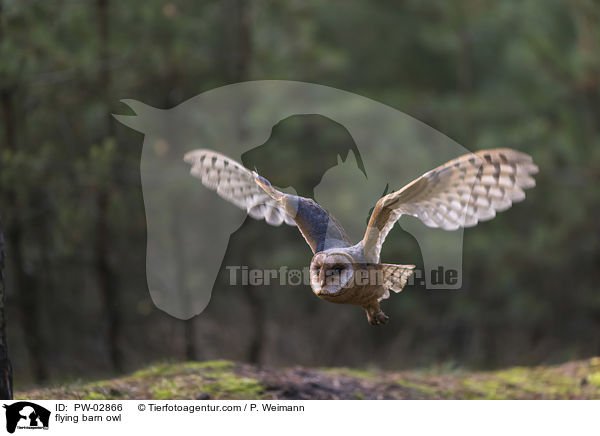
(299,417)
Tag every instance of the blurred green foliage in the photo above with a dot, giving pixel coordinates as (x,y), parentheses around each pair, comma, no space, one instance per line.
(520,74)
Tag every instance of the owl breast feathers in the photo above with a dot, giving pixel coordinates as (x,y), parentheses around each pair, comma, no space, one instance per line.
(460,193)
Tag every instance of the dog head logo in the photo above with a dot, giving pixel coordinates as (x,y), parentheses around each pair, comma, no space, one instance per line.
(188,227)
(26,415)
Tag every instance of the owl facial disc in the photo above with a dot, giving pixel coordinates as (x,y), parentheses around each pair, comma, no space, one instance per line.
(331,273)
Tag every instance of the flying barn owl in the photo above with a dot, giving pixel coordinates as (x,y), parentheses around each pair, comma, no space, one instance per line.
(460,193)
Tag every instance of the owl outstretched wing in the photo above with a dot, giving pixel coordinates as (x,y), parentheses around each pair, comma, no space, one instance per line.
(253,193)
(460,193)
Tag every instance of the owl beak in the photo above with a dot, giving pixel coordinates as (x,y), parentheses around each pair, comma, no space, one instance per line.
(322,276)
(318,283)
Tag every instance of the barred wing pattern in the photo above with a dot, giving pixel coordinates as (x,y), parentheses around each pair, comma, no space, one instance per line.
(249,191)
(460,193)
(395,277)
(235,183)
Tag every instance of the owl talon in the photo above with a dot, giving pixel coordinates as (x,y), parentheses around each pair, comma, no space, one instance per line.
(382,318)
(376,316)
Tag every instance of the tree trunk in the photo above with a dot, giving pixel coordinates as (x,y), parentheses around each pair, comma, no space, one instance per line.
(242,36)
(107,283)
(258,314)
(181,271)
(26,284)
(189,335)
(243,43)
(107,280)
(6,372)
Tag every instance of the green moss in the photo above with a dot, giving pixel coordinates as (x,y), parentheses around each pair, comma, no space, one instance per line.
(165,389)
(222,379)
(594,379)
(519,382)
(165,369)
(152,371)
(99,385)
(483,389)
(95,396)
(211,364)
(351,372)
(230,386)
(540,380)
(421,388)
(187,380)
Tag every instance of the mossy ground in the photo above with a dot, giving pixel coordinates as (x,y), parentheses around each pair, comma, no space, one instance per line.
(228,380)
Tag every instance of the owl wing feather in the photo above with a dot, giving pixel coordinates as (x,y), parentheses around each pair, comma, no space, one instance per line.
(459,193)
(395,277)
(253,193)
(235,183)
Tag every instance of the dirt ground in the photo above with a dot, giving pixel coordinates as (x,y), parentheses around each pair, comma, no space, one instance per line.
(230,380)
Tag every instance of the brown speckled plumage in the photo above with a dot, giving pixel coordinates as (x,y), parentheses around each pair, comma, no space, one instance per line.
(460,193)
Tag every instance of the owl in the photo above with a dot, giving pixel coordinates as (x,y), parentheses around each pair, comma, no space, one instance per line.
(459,193)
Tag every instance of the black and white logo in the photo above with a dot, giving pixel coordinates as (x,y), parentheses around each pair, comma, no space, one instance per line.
(26,415)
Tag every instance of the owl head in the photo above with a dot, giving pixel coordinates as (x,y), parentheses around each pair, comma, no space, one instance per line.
(331,272)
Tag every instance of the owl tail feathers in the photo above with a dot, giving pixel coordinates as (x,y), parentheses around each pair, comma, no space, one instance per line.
(395,277)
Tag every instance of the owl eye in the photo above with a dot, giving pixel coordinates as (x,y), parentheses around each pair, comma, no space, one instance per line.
(338,269)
